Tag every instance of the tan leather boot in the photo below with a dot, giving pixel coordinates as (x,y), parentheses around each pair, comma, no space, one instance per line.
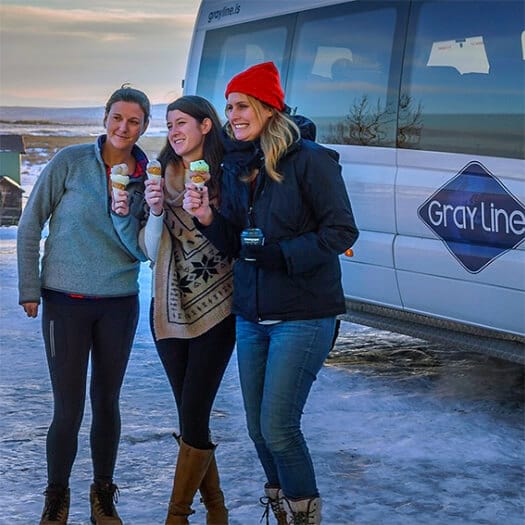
(103,497)
(211,494)
(213,497)
(192,465)
(56,507)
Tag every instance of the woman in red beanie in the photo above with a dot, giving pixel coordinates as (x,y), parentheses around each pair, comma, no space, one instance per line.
(285,215)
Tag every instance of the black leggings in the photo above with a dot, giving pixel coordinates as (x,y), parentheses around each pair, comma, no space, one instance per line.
(195,368)
(72,328)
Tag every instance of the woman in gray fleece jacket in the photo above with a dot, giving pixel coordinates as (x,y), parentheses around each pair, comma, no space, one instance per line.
(87,281)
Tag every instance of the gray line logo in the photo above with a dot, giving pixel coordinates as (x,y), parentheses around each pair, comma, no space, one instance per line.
(476,216)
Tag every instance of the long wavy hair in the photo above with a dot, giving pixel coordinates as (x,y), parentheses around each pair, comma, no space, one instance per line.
(199,108)
(277,136)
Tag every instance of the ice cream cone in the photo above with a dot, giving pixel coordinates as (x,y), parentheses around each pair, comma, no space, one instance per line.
(154,170)
(199,173)
(119,178)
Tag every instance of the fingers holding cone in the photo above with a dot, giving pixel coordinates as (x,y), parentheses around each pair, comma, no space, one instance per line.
(154,187)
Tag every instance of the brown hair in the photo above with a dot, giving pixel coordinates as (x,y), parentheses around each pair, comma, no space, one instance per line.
(128,94)
(199,108)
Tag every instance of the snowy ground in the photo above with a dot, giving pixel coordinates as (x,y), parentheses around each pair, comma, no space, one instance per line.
(401,432)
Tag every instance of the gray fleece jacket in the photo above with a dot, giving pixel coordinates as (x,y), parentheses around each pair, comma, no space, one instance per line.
(89,250)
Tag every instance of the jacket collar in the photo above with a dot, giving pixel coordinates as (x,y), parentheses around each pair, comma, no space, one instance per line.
(140,157)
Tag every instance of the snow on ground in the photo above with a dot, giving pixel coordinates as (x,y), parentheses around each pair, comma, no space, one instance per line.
(401,432)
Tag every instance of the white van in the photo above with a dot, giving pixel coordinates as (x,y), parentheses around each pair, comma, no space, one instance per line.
(425,103)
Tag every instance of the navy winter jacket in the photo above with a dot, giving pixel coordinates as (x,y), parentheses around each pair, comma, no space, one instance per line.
(308,214)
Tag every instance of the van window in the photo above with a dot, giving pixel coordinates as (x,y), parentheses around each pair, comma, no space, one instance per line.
(228,52)
(339,76)
(464,79)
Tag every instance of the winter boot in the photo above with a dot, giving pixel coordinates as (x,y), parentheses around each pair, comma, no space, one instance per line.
(303,511)
(103,497)
(211,493)
(192,465)
(56,506)
(274,500)
(213,497)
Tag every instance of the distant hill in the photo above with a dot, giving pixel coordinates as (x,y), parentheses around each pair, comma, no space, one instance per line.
(85,115)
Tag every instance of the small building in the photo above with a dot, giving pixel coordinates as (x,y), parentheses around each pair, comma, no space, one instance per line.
(11,150)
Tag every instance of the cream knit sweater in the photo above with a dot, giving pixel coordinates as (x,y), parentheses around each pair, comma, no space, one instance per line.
(192,282)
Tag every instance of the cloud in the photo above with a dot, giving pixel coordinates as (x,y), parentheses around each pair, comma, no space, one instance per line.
(78,55)
(38,22)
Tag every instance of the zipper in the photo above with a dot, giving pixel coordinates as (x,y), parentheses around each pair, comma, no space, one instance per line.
(256,191)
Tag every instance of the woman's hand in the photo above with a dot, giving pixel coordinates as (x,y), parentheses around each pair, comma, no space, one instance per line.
(196,203)
(154,194)
(119,202)
(31,309)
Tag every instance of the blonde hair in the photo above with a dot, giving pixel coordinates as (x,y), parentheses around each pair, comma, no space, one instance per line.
(276,137)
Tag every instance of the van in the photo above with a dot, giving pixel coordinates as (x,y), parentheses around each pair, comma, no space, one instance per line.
(424,101)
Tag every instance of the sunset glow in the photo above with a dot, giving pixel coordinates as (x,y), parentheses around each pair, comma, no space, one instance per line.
(55,56)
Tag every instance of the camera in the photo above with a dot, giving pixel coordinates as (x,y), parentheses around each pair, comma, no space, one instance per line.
(252,237)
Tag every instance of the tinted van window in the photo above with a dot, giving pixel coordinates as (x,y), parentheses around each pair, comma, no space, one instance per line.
(341,70)
(229,51)
(464,75)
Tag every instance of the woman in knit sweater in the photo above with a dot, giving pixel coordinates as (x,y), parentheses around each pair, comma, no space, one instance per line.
(191,319)
(88,285)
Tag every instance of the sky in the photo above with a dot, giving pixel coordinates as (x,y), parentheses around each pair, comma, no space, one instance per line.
(75,54)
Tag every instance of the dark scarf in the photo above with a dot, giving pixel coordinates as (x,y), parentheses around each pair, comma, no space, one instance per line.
(241,157)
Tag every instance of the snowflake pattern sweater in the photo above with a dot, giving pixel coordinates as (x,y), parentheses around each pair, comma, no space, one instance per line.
(192,281)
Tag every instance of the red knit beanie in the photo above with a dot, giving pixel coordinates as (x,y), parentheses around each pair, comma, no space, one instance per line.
(260,81)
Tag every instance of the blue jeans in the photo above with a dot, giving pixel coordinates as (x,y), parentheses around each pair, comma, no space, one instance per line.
(277,366)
